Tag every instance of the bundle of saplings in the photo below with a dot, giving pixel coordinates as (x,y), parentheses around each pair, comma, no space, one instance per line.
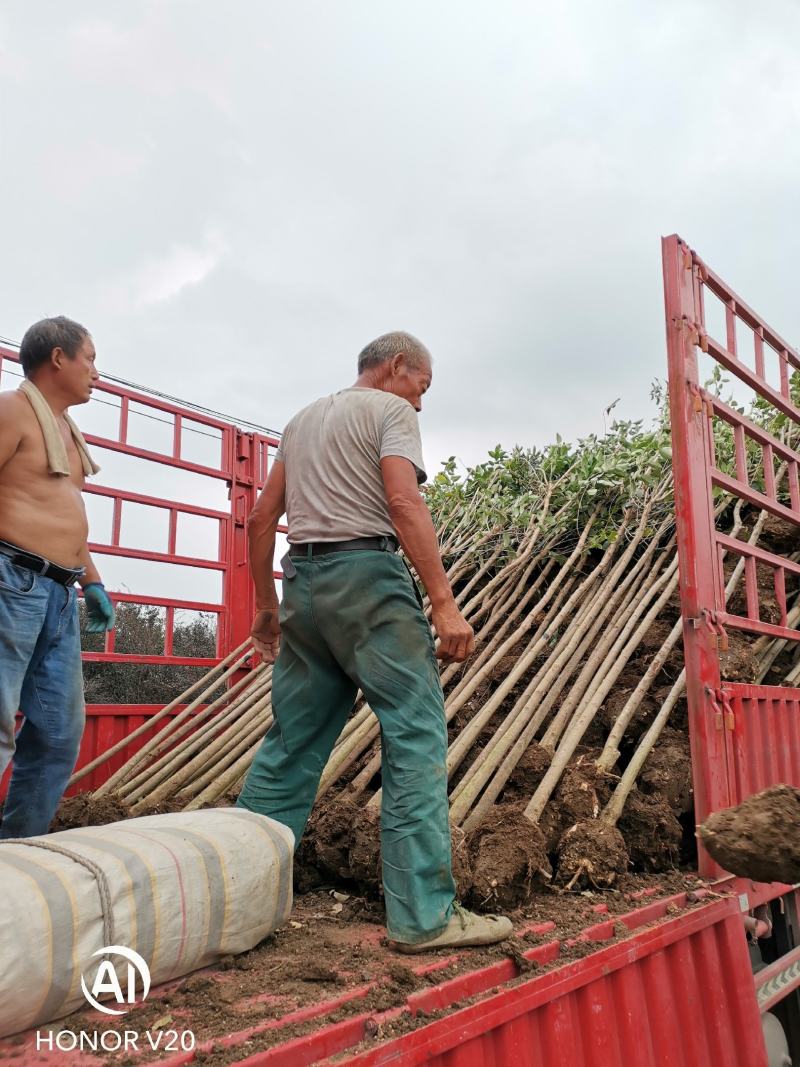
(568,755)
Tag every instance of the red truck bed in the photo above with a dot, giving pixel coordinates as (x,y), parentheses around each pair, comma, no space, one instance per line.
(611,994)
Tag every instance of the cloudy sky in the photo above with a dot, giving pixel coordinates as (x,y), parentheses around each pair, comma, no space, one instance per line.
(236,197)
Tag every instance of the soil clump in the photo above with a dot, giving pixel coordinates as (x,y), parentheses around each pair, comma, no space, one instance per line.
(591,853)
(759,839)
(508,858)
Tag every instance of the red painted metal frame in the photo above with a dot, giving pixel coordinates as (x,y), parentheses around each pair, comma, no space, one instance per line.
(242,465)
(743,737)
(106,725)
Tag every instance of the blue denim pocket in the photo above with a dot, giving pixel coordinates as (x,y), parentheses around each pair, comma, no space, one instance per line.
(15,579)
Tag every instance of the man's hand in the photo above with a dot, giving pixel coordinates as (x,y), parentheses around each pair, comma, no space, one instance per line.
(456,639)
(266,633)
(99,609)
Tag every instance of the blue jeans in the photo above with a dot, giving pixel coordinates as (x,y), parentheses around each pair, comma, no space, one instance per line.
(40,675)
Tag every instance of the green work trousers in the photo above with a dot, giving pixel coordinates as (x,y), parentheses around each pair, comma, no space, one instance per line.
(352,620)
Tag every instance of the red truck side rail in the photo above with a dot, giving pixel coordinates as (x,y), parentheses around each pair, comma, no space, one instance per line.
(744,737)
(240,463)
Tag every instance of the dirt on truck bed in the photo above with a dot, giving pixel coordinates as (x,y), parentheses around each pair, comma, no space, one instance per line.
(334,950)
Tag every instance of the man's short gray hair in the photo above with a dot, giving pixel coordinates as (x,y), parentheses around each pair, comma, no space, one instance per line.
(389,345)
(47,334)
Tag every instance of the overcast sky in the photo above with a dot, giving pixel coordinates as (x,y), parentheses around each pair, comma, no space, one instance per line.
(236,197)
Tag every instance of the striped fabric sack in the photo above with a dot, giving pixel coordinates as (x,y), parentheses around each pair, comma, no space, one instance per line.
(181,890)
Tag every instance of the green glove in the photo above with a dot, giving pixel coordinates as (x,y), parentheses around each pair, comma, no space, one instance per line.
(99,608)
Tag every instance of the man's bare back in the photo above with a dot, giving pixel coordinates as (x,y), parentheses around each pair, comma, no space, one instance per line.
(39,511)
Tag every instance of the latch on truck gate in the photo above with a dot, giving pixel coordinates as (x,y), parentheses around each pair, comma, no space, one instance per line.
(710,620)
(720,702)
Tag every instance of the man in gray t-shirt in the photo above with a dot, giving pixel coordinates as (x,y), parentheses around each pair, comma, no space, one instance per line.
(347,476)
(332,452)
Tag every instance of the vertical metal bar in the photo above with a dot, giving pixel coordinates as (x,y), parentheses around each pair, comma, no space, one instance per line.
(240,593)
(116,521)
(751,587)
(741,453)
(783,363)
(172,537)
(169,630)
(758,341)
(780,593)
(730,327)
(123,421)
(695,529)
(712,444)
(794,488)
(176,436)
(769,471)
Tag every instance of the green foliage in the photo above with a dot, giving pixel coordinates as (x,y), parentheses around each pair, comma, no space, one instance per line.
(559,485)
(140,629)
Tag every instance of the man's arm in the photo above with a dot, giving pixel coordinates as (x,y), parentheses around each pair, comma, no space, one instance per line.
(99,608)
(262,527)
(414,526)
(92,574)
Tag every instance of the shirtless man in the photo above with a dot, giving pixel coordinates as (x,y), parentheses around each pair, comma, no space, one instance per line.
(43,552)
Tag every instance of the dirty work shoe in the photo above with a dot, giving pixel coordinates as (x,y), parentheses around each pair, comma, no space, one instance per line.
(465,928)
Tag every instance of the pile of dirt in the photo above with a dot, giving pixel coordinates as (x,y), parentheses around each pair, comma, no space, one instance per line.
(668,772)
(86,809)
(529,771)
(365,850)
(591,853)
(580,795)
(651,832)
(759,839)
(508,859)
(738,663)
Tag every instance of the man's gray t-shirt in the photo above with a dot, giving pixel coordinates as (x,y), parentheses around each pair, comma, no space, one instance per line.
(332,451)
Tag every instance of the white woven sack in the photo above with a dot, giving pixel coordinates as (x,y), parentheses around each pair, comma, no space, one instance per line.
(180,889)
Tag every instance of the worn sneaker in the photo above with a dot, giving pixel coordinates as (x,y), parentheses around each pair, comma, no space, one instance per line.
(464,928)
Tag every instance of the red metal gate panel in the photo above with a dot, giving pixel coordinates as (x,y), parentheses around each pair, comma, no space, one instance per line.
(743,737)
(241,466)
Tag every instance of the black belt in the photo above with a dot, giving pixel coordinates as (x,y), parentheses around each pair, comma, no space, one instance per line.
(39,565)
(358,544)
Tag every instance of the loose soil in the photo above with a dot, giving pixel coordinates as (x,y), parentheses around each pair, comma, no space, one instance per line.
(759,839)
(509,859)
(88,809)
(651,832)
(668,772)
(591,853)
(332,949)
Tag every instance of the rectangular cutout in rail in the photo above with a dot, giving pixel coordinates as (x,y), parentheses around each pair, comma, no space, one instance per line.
(714,317)
(197,536)
(194,633)
(144,527)
(100,416)
(140,629)
(10,374)
(100,513)
(157,479)
(200,444)
(150,428)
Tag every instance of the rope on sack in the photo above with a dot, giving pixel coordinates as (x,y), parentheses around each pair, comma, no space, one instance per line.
(99,874)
